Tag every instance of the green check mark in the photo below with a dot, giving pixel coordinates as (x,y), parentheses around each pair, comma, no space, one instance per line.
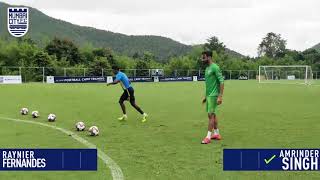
(269,160)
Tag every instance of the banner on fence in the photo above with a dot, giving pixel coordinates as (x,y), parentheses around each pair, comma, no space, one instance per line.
(92,79)
(242,78)
(50,79)
(168,79)
(10,80)
(195,78)
(141,79)
(108,79)
(201,79)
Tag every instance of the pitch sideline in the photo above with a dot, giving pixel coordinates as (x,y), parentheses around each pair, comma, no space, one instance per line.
(116,171)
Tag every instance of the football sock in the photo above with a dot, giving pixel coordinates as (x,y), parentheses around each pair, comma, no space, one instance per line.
(216,131)
(209,134)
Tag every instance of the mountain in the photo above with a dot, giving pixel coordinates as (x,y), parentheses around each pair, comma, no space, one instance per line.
(316,47)
(234,54)
(228,51)
(43,28)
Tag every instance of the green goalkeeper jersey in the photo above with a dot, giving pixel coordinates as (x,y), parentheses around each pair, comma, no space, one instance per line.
(214,78)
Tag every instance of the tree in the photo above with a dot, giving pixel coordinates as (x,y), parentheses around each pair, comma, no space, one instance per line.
(86,52)
(272,46)
(64,48)
(213,44)
(148,56)
(136,55)
(141,66)
(97,65)
(41,59)
(312,57)
(296,55)
(107,53)
(102,52)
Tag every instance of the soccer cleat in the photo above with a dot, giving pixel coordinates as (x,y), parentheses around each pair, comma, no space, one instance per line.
(206,141)
(144,117)
(216,136)
(122,118)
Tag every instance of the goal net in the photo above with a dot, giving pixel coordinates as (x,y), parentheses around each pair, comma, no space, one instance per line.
(285,74)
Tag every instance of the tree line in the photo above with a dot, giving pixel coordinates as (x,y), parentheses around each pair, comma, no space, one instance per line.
(57,53)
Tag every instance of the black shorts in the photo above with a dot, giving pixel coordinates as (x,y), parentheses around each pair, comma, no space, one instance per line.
(127,95)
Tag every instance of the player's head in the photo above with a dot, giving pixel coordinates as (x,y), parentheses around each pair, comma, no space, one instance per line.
(115,69)
(206,56)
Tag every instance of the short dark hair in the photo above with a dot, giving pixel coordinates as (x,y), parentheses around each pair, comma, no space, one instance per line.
(114,67)
(207,53)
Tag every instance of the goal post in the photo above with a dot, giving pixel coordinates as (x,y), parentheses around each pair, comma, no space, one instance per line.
(294,74)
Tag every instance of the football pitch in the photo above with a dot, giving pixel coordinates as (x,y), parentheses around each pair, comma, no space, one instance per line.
(168,145)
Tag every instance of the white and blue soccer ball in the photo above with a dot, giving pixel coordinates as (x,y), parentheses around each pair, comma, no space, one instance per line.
(24,111)
(35,114)
(80,126)
(94,131)
(52,117)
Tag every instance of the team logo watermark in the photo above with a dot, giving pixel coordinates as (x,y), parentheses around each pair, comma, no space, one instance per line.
(18,21)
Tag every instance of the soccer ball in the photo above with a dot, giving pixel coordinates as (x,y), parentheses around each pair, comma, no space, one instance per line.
(35,114)
(24,111)
(51,117)
(94,131)
(80,126)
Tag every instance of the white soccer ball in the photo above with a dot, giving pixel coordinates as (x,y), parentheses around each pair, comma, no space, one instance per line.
(80,126)
(35,114)
(24,111)
(94,131)
(51,117)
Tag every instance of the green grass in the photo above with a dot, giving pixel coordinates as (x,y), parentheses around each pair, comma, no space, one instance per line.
(167,146)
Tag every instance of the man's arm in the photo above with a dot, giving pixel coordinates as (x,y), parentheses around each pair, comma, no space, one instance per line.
(113,83)
(219,101)
(221,81)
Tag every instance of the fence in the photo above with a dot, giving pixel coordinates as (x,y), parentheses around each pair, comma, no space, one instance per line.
(38,74)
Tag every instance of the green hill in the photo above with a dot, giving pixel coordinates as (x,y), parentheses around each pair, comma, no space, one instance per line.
(317,47)
(234,54)
(43,28)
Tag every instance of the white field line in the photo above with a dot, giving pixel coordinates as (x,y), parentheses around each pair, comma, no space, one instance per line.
(116,171)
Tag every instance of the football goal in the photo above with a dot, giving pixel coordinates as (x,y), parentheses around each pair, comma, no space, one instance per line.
(298,74)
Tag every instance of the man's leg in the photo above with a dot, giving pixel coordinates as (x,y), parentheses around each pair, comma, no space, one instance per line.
(216,134)
(123,107)
(209,108)
(133,104)
(123,97)
(144,115)
(211,122)
(207,139)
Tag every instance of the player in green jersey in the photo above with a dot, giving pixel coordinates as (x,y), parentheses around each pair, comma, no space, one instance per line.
(213,95)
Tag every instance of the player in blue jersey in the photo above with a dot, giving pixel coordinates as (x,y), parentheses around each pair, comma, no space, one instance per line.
(128,93)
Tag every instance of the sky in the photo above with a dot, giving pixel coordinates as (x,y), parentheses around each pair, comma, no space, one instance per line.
(240,24)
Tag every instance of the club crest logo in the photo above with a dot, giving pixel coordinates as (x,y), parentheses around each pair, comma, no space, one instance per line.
(18,21)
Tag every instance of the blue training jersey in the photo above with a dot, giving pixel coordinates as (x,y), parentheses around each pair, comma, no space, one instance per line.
(122,77)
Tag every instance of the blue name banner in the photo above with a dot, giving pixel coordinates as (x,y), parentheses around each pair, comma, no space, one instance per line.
(271,159)
(91,79)
(48,160)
